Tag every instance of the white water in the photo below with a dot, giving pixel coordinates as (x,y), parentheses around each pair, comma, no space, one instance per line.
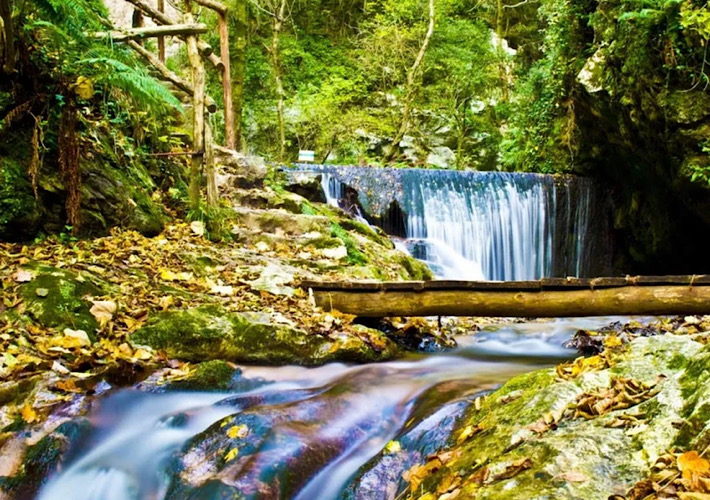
(482,225)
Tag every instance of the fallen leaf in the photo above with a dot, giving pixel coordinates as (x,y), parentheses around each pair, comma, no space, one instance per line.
(23,276)
(29,415)
(238,432)
(231,455)
(198,227)
(103,310)
(692,466)
(393,447)
(513,469)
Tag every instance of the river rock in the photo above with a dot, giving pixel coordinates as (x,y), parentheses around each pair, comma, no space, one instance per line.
(209,333)
(307,185)
(529,440)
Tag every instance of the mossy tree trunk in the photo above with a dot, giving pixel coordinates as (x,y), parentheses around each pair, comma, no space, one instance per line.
(8,54)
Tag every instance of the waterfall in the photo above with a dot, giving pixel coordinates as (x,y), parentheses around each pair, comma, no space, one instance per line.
(479,225)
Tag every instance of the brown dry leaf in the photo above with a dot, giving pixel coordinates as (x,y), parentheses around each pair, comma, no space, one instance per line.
(468,432)
(68,385)
(515,468)
(691,495)
(418,473)
(480,476)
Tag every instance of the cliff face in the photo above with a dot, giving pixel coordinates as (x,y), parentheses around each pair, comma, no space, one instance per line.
(620,94)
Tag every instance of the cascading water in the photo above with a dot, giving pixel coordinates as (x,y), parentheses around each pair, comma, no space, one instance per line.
(480,225)
(310,432)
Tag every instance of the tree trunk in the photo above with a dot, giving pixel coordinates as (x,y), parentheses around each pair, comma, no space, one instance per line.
(9,55)
(161,39)
(501,55)
(411,87)
(278,77)
(623,301)
(239,58)
(229,134)
(198,119)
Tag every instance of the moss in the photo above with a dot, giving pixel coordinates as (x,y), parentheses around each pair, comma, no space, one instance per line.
(609,458)
(64,306)
(19,211)
(209,376)
(209,333)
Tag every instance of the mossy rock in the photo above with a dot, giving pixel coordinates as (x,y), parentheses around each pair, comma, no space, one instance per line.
(64,305)
(210,333)
(20,214)
(578,458)
(113,197)
(213,375)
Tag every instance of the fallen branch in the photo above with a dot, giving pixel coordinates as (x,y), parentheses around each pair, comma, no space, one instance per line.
(168,75)
(154,31)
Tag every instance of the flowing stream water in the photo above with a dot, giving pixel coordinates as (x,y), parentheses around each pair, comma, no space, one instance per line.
(316,434)
(319,427)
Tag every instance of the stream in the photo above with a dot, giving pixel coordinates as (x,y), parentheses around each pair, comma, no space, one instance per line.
(313,432)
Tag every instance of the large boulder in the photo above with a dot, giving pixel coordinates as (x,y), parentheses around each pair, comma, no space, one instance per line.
(209,333)
(589,430)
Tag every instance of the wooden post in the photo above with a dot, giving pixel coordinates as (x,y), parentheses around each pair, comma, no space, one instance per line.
(210,173)
(161,39)
(198,118)
(222,13)
(229,135)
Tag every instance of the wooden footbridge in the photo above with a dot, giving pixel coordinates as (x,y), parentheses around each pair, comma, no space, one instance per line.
(550,297)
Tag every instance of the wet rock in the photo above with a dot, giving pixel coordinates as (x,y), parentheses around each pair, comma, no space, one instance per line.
(209,333)
(417,334)
(307,185)
(43,459)
(526,441)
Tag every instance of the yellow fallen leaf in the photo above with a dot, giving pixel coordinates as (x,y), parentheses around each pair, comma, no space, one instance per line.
(84,88)
(231,455)
(29,415)
(238,431)
(692,465)
(393,447)
(612,341)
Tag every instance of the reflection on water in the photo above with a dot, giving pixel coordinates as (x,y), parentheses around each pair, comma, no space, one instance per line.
(326,422)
